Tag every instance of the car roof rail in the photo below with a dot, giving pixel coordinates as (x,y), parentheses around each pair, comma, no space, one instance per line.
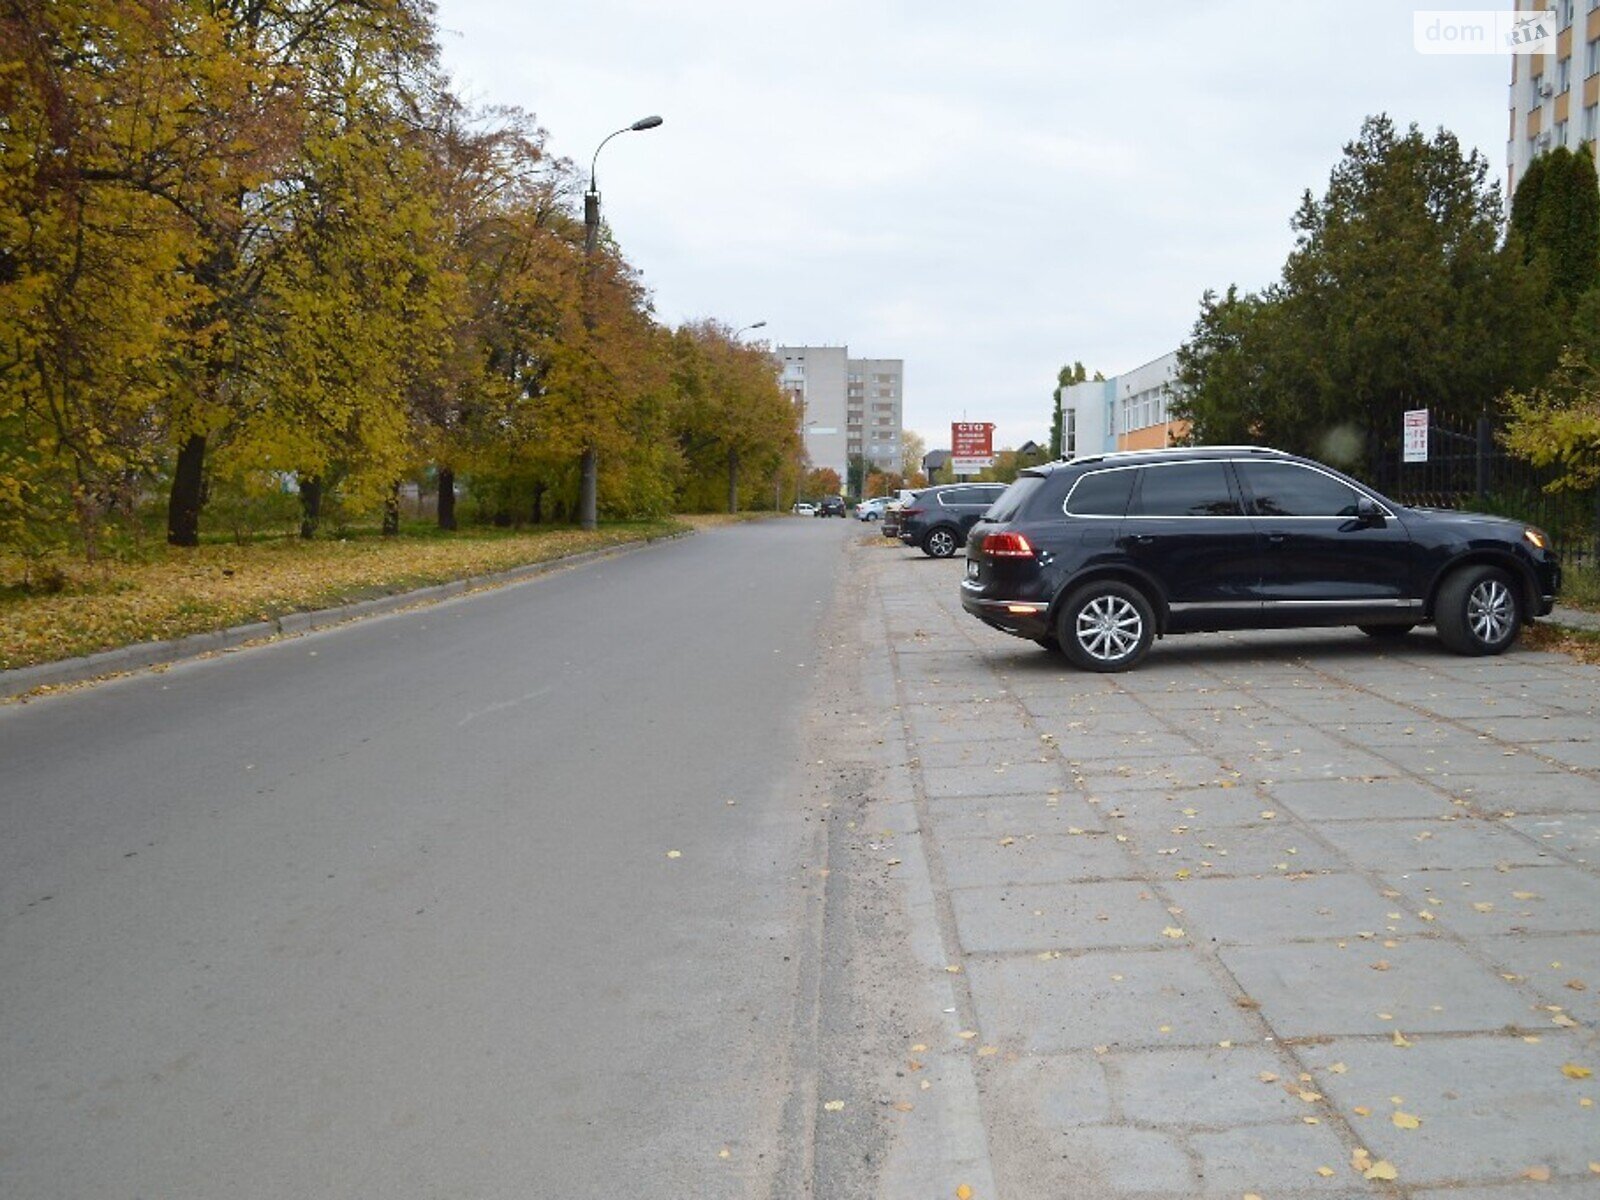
(1163,451)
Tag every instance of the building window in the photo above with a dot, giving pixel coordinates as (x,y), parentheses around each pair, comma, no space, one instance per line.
(1593,65)
(1564,75)
(1069,433)
(1561,133)
(1538,91)
(1566,7)
(1591,123)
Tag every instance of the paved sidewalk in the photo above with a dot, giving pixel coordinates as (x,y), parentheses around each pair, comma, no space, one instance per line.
(1281,914)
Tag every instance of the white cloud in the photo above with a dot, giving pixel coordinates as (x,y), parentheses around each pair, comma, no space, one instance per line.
(984,190)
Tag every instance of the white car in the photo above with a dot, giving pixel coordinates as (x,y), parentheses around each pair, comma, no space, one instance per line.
(804,509)
(872,510)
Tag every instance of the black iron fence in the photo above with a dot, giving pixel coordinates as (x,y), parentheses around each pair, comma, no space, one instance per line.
(1468,468)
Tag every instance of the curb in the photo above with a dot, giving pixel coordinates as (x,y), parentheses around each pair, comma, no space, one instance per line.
(20,680)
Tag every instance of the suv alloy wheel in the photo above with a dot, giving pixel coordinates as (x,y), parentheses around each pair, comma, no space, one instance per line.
(1106,626)
(940,542)
(1477,611)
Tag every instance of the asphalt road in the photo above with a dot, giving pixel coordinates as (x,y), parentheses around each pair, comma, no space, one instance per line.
(389,910)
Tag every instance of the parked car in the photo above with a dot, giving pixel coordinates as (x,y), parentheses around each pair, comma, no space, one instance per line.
(831,506)
(804,508)
(891,512)
(1100,555)
(939,518)
(872,510)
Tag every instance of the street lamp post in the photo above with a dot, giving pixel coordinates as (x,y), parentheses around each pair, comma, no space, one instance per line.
(748,328)
(588,489)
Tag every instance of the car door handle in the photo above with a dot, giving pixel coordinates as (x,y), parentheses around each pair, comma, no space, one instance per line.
(1277,539)
(1144,539)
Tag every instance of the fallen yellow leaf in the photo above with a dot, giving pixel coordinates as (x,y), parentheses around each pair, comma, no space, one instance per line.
(1361,1110)
(1172,931)
(1537,1174)
(967,1035)
(988,1051)
(963,1192)
(674,853)
(1574,1071)
(833,1106)
(1382,1169)
(1404,1120)
(1399,1040)
(1325,1172)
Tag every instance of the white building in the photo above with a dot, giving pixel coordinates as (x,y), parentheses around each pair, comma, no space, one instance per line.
(1131,411)
(1555,98)
(847,405)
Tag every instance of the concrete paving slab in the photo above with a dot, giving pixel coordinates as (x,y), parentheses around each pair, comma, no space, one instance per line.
(1096,1160)
(1563,968)
(1117,999)
(1410,845)
(1153,816)
(1265,848)
(1209,1087)
(1354,799)
(1028,918)
(1253,911)
(1554,899)
(1490,1107)
(1017,779)
(1191,770)
(1273,1159)
(1055,1091)
(1574,835)
(1414,985)
(1033,859)
(1553,793)
(1012,816)
(986,754)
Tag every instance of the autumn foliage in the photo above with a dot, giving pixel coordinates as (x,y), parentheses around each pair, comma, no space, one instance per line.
(258,250)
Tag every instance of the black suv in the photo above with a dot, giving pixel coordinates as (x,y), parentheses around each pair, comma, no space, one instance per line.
(831,506)
(938,518)
(1099,555)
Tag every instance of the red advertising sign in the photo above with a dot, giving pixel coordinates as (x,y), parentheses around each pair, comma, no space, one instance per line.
(971,446)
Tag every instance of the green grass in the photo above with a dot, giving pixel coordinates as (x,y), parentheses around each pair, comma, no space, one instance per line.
(1580,588)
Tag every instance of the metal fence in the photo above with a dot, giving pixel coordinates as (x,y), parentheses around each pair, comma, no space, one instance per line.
(1468,468)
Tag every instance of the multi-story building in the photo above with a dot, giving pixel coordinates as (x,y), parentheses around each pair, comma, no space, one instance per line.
(1555,98)
(1131,411)
(848,406)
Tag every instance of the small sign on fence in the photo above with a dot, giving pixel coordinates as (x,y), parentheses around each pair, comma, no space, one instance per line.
(1415,444)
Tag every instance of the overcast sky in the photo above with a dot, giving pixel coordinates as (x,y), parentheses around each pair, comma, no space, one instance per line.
(986,190)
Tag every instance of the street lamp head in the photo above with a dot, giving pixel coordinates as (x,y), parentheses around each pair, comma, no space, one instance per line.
(645,123)
(759,325)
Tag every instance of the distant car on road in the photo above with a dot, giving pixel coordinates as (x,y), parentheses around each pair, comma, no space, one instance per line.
(831,506)
(1099,556)
(872,510)
(804,508)
(938,519)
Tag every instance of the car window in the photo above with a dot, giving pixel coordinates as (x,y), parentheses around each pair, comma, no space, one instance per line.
(957,496)
(1011,500)
(1290,490)
(1100,494)
(1196,489)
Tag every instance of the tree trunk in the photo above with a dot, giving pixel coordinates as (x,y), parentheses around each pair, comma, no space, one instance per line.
(183,502)
(733,480)
(447,498)
(310,507)
(391,511)
(538,504)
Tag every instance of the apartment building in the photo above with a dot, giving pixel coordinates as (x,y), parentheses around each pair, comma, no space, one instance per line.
(848,405)
(1555,98)
(1131,411)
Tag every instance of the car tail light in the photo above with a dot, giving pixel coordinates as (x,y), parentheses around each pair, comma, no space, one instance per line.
(1007,545)
(911,512)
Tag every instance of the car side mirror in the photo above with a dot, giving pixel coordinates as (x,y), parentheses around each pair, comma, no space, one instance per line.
(1368,512)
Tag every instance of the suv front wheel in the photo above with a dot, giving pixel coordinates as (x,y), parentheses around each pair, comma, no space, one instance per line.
(1477,611)
(941,542)
(1106,626)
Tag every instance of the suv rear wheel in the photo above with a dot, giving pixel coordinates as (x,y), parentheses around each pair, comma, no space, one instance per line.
(1477,611)
(1106,626)
(940,543)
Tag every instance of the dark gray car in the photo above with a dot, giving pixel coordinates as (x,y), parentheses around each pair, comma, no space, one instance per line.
(938,519)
